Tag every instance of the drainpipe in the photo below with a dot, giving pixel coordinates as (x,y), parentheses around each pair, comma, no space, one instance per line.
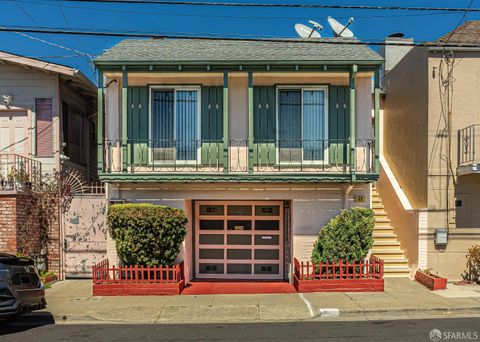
(346,193)
(353,161)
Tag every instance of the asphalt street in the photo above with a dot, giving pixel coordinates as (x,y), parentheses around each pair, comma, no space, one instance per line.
(40,327)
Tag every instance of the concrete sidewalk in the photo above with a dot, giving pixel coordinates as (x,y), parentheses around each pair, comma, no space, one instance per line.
(71,301)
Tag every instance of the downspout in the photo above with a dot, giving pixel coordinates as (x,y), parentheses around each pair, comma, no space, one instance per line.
(346,194)
(353,161)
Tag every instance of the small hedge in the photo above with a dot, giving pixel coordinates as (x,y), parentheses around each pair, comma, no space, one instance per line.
(347,236)
(147,234)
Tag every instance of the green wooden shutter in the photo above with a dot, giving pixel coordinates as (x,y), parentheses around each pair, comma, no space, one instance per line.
(212,126)
(137,125)
(264,125)
(339,127)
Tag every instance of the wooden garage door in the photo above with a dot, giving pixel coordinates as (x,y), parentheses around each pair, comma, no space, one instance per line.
(239,240)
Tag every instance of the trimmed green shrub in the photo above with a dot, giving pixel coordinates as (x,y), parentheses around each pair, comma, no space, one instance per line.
(347,236)
(147,234)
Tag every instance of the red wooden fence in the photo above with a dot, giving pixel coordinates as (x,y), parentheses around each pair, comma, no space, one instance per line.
(372,268)
(341,276)
(139,280)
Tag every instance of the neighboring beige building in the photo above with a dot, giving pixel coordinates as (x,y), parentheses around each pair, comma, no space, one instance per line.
(430,175)
(46,110)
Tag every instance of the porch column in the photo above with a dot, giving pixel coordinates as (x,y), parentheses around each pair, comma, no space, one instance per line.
(250,122)
(124,118)
(376,117)
(100,121)
(225,123)
(353,156)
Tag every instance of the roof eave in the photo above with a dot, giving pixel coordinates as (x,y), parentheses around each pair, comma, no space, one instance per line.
(372,62)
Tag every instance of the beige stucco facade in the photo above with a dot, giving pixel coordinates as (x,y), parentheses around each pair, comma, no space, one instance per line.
(416,146)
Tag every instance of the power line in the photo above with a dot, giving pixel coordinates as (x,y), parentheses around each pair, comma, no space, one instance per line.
(244,17)
(287,5)
(133,34)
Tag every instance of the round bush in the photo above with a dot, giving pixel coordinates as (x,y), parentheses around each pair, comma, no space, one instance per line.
(348,236)
(147,234)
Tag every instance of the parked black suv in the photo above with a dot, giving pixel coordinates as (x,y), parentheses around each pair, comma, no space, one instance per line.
(20,287)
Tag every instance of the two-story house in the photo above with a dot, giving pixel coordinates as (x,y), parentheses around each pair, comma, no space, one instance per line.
(260,142)
(48,115)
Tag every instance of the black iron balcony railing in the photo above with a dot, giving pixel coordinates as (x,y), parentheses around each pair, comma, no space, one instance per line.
(240,156)
(18,172)
(469,145)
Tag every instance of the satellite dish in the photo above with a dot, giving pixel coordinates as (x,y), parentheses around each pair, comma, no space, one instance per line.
(305,31)
(340,30)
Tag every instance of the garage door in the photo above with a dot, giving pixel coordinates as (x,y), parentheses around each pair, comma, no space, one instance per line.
(239,240)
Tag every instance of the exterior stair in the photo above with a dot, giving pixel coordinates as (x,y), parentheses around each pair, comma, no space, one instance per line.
(385,242)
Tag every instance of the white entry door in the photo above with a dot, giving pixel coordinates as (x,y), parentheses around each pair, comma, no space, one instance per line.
(239,239)
(14,134)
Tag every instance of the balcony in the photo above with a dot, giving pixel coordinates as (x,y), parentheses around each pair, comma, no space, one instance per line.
(469,150)
(18,172)
(213,160)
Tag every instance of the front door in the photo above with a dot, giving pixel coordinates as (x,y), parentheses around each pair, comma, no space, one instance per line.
(239,239)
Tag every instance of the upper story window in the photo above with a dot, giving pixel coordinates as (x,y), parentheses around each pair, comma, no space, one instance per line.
(175,128)
(302,121)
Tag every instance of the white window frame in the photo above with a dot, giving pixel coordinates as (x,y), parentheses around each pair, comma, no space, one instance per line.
(302,88)
(175,88)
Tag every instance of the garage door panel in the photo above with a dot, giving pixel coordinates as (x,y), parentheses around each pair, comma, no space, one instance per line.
(212,239)
(206,253)
(267,254)
(266,268)
(239,254)
(236,239)
(261,239)
(239,268)
(210,268)
(212,224)
(267,225)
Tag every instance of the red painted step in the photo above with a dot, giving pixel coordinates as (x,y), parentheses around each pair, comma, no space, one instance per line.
(201,287)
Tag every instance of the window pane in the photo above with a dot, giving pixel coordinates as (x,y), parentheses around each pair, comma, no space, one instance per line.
(186,124)
(162,124)
(313,124)
(290,124)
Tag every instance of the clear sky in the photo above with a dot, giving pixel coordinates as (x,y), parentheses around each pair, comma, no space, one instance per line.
(193,20)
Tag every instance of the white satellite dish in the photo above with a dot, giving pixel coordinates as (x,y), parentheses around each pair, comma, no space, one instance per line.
(305,31)
(340,30)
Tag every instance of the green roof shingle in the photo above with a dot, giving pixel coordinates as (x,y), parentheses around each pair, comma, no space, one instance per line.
(197,51)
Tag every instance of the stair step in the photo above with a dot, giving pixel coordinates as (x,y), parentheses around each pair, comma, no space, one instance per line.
(382,231)
(379,245)
(384,235)
(377,206)
(382,220)
(380,213)
(388,253)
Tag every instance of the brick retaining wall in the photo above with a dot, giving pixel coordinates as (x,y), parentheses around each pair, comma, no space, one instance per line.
(14,211)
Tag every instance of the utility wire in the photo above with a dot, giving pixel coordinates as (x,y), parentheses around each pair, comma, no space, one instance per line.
(245,17)
(286,5)
(133,34)
(79,53)
(25,12)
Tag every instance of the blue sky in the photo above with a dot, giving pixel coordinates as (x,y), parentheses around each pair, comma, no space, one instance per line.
(248,22)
